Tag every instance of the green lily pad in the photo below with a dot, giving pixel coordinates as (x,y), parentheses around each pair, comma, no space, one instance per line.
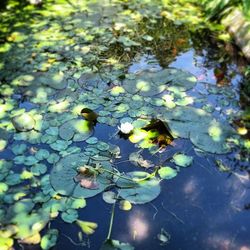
(139,190)
(167,173)
(53,158)
(53,80)
(65,171)
(60,145)
(42,154)
(39,169)
(69,215)
(182,160)
(23,122)
(3,144)
(116,245)
(76,129)
(3,188)
(109,197)
(19,149)
(49,239)
(92,140)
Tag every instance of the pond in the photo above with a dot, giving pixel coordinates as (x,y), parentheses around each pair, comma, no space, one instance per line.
(119,124)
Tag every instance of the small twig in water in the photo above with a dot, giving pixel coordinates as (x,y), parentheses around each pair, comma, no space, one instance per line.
(156,210)
(73,242)
(173,214)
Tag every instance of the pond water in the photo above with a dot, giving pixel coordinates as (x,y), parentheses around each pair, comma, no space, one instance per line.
(204,205)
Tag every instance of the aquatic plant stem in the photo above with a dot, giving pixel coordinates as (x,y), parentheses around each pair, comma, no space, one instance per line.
(111,221)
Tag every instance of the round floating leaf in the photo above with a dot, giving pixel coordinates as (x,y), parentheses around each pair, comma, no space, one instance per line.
(13,179)
(49,239)
(23,122)
(92,140)
(3,188)
(76,129)
(109,197)
(212,137)
(34,239)
(116,245)
(182,160)
(103,146)
(52,131)
(53,158)
(69,215)
(60,145)
(142,86)
(167,172)
(30,160)
(139,190)
(39,169)
(53,80)
(19,149)
(125,205)
(3,144)
(76,203)
(42,154)
(65,171)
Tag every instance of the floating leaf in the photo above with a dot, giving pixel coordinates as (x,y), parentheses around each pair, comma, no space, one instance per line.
(87,226)
(182,160)
(109,197)
(34,239)
(23,122)
(141,189)
(19,149)
(125,205)
(164,237)
(70,215)
(3,188)
(39,169)
(167,172)
(3,144)
(110,244)
(49,239)
(65,171)
(76,129)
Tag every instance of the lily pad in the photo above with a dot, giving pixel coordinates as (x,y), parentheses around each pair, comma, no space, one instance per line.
(23,122)
(213,137)
(76,129)
(141,189)
(69,215)
(49,239)
(65,171)
(53,80)
(182,160)
(167,173)
(116,245)
(109,197)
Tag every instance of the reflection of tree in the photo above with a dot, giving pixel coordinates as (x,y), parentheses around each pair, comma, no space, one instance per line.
(218,56)
(169,39)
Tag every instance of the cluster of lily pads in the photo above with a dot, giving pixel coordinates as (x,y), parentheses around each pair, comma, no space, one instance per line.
(54,161)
